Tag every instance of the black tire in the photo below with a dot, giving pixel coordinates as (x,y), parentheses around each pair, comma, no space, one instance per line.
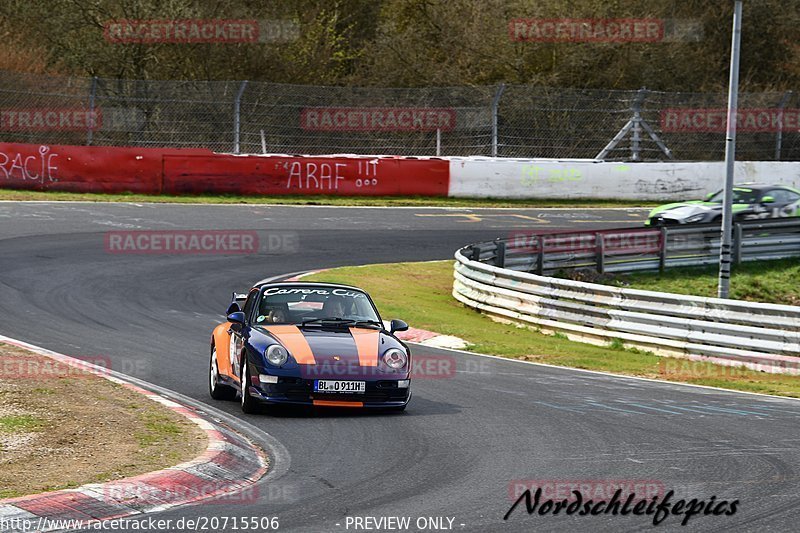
(249,404)
(215,389)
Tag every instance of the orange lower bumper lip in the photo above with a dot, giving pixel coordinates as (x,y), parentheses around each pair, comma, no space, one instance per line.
(334,403)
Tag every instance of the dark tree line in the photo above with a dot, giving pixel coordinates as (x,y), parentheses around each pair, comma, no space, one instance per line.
(411,43)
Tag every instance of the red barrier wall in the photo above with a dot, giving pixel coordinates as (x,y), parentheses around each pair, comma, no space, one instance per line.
(191,171)
(346,176)
(83,168)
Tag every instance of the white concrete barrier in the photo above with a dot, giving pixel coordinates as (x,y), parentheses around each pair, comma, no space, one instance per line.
(481,177)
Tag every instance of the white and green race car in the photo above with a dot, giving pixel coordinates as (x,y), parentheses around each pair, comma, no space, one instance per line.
(751,201)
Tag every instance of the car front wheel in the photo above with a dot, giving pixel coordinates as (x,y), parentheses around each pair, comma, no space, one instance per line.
(217,390)
(249,404)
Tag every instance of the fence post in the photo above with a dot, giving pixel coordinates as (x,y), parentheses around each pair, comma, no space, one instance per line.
(91,122)
(635,125)
(495,105)
(600,253)
(236,116)
(737,243)
(263,143)
(779,134)
(662,253)
(438,142)
(500,254)
(636,138)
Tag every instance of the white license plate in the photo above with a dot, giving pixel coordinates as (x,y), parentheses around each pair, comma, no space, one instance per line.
(349,387)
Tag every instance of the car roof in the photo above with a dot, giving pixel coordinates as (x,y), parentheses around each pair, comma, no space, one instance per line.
(760,186)
(263,283)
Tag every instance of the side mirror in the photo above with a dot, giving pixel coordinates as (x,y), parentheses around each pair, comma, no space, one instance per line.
(237,320)
(233,308)
(767,200)
(397,325)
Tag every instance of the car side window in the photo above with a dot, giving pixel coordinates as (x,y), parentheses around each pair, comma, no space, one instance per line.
(250,303)
(777,195)
(790,196)
(783,196)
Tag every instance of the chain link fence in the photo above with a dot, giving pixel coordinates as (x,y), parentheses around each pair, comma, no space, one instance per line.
(505,121)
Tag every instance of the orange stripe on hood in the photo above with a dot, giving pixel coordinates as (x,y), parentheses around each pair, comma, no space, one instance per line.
(293,340)
(367,345)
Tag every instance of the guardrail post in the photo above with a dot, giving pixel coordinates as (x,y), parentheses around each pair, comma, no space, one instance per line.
(737,244)
(540,255)
(600,253)
(475,253)
(662,252)
(500,254)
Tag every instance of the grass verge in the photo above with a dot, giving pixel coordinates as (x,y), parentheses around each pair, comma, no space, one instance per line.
(757,281)
(420,293)
(62,428)
(374,201)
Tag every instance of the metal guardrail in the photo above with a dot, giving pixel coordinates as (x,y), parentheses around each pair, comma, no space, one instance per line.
(756,335)
(636,249)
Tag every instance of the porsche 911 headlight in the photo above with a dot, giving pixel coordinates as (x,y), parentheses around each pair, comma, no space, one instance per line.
(395,358)
(277,355)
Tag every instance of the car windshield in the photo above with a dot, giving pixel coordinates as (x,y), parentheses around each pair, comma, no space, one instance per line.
(740,196)
(298,304)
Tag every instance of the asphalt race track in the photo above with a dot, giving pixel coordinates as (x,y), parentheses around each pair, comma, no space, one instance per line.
(464,439)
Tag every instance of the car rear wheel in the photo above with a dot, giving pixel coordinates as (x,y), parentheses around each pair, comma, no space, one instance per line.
(249,404)
(217,390)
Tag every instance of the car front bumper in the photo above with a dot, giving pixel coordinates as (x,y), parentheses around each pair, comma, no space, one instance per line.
(299,391)
(658,220)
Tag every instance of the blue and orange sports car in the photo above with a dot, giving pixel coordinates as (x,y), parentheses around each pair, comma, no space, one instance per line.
(316,344)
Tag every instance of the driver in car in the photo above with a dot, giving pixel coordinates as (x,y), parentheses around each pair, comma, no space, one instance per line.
(273,314)
(333,308)
(276,316)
